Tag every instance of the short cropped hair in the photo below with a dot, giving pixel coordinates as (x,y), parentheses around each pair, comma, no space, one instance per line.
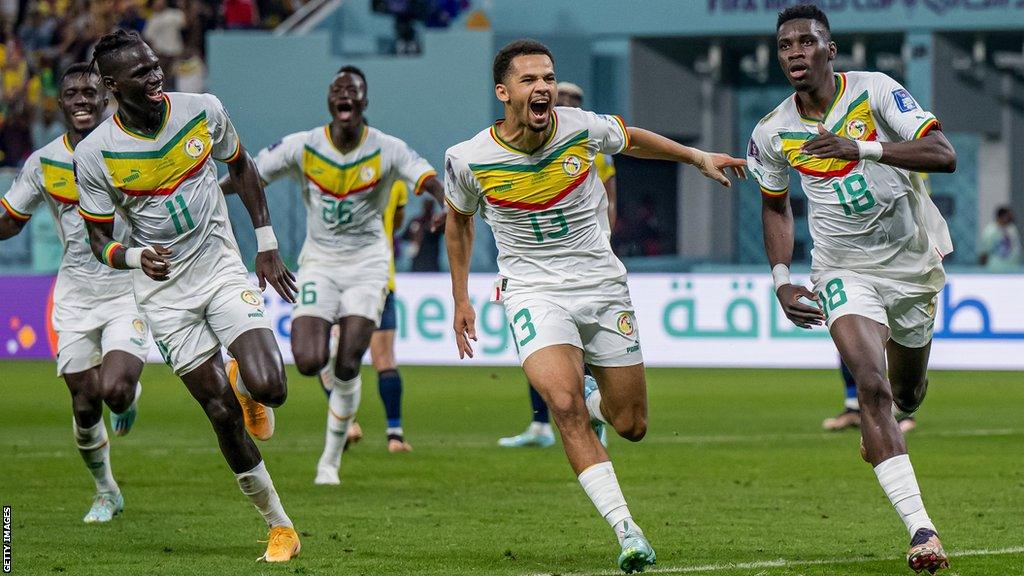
(526,47)
(804,11)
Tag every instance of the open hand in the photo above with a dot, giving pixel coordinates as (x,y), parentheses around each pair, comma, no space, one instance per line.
(156,263)
(801,314)
(270,268)
(829,145)
(465,328)
(717,165)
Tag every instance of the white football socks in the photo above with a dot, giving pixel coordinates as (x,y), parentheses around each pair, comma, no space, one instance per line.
(259,488)
(896,475)
(341,410)
(95,450)
(541,428)
(601,485)
(594,406)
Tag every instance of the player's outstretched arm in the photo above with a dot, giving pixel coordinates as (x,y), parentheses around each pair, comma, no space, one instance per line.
(651,146)
(151,260)
(434,187)
(777,218)
(269,266)
(930,153)
(459,241)
(10,226)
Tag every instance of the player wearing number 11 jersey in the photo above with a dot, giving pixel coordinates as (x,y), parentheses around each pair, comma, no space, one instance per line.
(857,140)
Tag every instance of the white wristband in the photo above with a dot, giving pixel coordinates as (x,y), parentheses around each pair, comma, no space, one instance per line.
(133,256)
(871,150)
(780,274)
(265,239)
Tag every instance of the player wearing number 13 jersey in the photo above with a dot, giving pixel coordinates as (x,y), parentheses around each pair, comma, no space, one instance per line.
(532,178)
(857,140)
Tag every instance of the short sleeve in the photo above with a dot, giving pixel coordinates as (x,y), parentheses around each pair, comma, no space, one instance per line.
(226,145)
(410,166)
(607,130)
(461,190)
(898,109)
(769,168)
(26,194)
(95,203)
(282,158)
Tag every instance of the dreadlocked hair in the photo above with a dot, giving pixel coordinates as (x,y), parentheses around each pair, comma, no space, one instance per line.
(111,44)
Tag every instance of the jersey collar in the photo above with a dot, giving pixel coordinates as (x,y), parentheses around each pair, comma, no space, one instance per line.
(140,135)
(840,80)
(507,146)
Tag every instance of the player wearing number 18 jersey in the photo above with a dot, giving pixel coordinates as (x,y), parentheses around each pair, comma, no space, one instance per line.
(857,141)
(532,178)
(152,163)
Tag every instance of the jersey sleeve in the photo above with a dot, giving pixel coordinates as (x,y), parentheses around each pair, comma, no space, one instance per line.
(898,109)
(282,158)
(461,191)
(26,194)
(410,166)
(766,164)
(226,145)
(95,202)
(607,130)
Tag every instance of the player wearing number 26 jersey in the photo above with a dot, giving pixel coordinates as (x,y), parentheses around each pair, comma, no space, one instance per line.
(878,239)
(345,194)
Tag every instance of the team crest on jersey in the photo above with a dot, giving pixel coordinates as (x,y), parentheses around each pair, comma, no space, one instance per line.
(856,128)
(572,165)
(139,326)
(366,173)
(194,147)
(625,324)
(251,298)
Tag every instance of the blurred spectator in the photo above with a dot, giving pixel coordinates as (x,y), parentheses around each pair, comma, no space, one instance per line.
(163,32)
(1000,249)
(424,245)
(240,14)
(190,72)
(130,17)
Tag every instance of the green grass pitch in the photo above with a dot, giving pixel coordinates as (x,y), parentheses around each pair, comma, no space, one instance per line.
(734,478)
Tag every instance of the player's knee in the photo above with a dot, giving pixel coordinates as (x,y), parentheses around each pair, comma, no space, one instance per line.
(310,362)
(910,396)
(631,426)
(120,393)
(268,385)
(347,368)
(568,410)
(873,391)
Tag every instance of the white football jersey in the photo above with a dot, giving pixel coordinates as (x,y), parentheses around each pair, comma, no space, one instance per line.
(542,205)
(83,282)
(165,187)
(860,213)
(345,193)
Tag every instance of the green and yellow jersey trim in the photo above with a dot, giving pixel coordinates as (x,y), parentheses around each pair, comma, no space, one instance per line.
(774,193)
(235,155)
(19,216)
(840,80)
(362,138)
(59,180)
(456,208)
(94,217)
(625,132)
(148,173)
(929,125)
(143,136)
(419,182)
(507,146)
(341,173)
(67,143)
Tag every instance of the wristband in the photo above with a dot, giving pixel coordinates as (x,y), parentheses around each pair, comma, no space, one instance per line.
(869,150)
(780,274)
(133,257)
(108,252)
(265,239)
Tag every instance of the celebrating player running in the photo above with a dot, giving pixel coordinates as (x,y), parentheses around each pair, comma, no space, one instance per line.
(532,176)
(856,139)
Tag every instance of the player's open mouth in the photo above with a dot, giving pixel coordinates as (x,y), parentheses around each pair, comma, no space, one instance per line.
(82,114)
(797,71)
(156,93)
(345,111)
(539,109)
